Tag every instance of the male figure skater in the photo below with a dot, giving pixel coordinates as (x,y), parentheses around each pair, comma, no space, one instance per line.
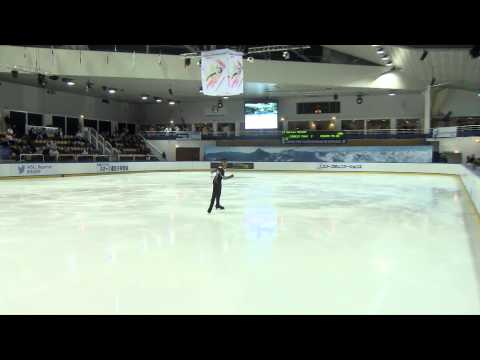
(217,186)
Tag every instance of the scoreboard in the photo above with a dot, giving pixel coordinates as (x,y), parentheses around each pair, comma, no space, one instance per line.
(313,137)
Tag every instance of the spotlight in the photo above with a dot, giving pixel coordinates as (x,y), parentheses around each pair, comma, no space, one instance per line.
(14,74)
(250,59)
(171,121)
(286,55)
(392,93)
(82,116)
(112,91)
(424,55)
(171,102)
(282,119)
(220,104)
(380,51)
(69,82)
(334,118)
(157,99)
(374,45)
(359,99)
(144,97)
(226,97)
(385,57)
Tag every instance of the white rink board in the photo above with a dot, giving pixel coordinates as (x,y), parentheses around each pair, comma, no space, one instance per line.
(470,180)
(53,169)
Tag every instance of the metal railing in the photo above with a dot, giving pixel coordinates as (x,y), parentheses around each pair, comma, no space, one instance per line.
(102,145)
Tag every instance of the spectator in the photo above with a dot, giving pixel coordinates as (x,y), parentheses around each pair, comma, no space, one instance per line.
(53,151)
(471,159)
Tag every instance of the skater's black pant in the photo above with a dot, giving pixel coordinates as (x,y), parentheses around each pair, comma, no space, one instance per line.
(217,191)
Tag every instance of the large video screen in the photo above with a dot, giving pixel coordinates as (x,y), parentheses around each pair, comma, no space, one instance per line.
(261,115)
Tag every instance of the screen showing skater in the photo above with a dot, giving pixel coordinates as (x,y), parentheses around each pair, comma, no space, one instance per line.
(261,115)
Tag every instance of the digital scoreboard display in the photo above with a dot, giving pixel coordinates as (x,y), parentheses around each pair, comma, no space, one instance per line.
(313,137)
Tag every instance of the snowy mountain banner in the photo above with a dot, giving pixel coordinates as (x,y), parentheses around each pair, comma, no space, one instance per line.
(347,154)
(222,72)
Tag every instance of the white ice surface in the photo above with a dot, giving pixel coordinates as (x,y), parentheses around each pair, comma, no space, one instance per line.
(287,243)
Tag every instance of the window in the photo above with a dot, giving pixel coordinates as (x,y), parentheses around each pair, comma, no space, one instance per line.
(17,122)
(72,126)
(105,127)
(378,124)
(90,123)
(59,122)
(353,124)
(299,125)
(35,119)
(131,128)
(226,127)
(408,124)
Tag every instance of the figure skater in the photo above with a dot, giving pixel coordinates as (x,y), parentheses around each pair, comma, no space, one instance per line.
(217,186)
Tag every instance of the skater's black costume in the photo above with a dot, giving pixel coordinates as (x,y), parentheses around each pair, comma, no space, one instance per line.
(217,188)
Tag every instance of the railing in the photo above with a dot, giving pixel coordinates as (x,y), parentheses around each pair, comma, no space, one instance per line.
(100,143)
(30,157)
(66,157)
(170,135)
(132,157)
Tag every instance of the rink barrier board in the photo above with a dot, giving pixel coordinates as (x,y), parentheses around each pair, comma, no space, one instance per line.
(13,171)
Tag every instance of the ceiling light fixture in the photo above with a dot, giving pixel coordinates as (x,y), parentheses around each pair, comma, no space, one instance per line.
(112,91)
(144,97)
(380,51)
(157,99)
(171,102)
(385,57)
(392,93)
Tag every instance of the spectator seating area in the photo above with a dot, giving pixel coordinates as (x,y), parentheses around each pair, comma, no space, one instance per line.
(44,147)
(128,144)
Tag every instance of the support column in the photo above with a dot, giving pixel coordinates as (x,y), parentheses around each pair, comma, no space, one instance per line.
(427,115)
(393,125)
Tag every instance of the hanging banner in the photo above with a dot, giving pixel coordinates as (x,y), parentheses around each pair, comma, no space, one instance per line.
(222,72)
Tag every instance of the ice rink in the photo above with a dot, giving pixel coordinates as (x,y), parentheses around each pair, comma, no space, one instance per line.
(287,243)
